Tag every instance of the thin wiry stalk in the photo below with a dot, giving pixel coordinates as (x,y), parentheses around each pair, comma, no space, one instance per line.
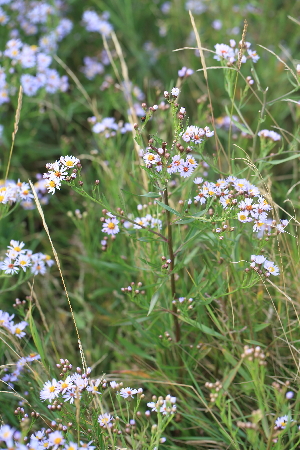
(171,255)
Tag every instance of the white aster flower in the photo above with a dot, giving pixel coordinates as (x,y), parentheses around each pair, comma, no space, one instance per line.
(128,392)
(69,161)
(271,268)
(105,419)
(50,390)
(93,386)
(282,422)
(110,226)
(175,92)
(56,439)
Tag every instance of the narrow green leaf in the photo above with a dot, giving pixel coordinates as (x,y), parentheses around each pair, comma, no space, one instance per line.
(163,205)
(36,339)
(261,326)
(279,161)
(201,327)
(153,302)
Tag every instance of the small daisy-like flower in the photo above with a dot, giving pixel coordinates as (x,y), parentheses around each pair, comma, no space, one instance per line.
(6,434)
(69,161)
(191,161)
(32,357)
(53,184)
(110,226)
(57,171)
(17,246)
(152,405)
(56,439)
(271,268)
(150,158)
(105,419)
(24,261)
(253,55)
(186,170)
(50,390)
(9,266)
(201,197)
(223,51)
(258,259)
(175,92)
(128,392)
(243,216)
(282,422)
(93,387)
(86,446)
(18,328)
(198,180)
(38,268)
(66,384)
(71,395)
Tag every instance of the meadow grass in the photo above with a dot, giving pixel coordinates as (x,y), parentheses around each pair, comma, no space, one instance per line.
(159,305)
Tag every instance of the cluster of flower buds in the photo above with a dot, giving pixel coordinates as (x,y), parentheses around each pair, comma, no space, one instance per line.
(173,94)
(183,301)
(19,303)
(166,262)
(223,229)
(281,388)
(166,336)
(21,413)
(248,425)
(165,406)
(215,387)
(65,365)
(254,353)
(131,288)
(249,80)
(56,406)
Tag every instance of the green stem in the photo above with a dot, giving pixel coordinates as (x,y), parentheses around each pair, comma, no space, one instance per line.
(171,255)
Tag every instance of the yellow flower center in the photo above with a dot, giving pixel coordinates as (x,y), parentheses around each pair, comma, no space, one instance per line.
(52,388)
(52,183)
(17,249)
(18,331)
(69,163)
(243,217)
(111,225)
(57,440)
